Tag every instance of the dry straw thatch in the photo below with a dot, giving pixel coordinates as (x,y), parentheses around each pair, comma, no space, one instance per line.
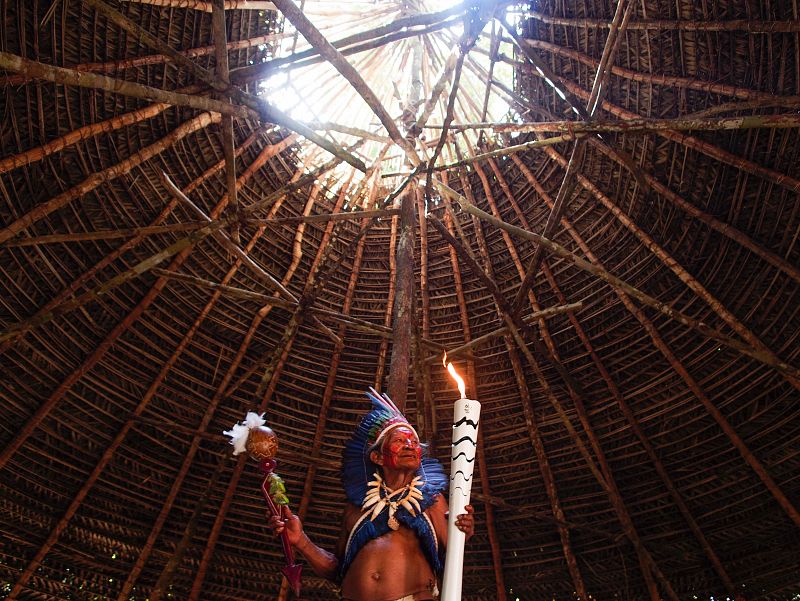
(593,206)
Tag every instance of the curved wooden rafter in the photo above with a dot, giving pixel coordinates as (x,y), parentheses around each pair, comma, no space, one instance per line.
(100,340)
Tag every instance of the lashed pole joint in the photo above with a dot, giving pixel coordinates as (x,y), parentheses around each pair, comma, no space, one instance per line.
(340,63)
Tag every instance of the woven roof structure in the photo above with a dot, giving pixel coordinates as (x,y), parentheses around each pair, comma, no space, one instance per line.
(210,208)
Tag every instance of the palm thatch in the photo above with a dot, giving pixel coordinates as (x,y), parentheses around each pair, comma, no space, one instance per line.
(215,207)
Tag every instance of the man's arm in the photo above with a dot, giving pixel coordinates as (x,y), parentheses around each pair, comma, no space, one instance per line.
(323,563)
(438,513)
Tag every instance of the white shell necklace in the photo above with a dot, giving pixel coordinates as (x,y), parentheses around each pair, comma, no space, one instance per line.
(380,496)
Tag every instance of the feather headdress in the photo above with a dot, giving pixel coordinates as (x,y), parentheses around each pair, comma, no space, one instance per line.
(358,468)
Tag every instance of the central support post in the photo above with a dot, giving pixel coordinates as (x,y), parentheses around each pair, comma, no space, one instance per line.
(403,310)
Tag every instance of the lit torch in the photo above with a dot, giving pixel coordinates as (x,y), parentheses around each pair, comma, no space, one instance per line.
(466,413)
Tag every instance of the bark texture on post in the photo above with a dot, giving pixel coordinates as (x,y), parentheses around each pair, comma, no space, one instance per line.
(404,303)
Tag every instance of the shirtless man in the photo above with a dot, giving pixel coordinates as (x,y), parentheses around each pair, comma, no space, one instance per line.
(394,528)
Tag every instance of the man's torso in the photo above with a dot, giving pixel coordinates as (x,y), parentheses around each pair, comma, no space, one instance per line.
(388,568)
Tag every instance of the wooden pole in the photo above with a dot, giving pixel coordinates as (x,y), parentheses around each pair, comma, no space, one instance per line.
(530,419)
(691,282)
(264,111)
(97,179)
(156,59)
(340,63)
(494,545)
(751,26)
(503,331)
(404,304)
(220,37)
(275,368)
(41,315)
(105,234)
(766,358)
(647,564)
(207,7)
(622,15)
(638,125)
(95,81)
(176,248)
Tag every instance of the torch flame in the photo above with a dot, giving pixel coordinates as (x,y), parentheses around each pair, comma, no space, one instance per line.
(461,387)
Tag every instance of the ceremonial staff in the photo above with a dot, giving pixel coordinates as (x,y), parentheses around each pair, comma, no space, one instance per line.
(466,413)
(261,444)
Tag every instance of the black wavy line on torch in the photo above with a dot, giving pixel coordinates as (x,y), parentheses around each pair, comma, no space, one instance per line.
(463,475)
(462,439)
(465,419)
(465,457)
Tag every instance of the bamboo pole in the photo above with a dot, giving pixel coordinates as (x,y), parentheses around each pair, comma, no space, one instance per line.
(340,63)
(262,109)
(640,124)
(751,26)
(692,283)
(97,179)
(207,7)
(520,332)
(662,308)
(497,565)
(504,331)
(220,37)
(34,70)
(43,314)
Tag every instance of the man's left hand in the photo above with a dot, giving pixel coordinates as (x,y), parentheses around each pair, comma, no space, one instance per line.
(466,521)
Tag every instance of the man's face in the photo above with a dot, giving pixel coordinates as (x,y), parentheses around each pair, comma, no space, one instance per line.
(401,449)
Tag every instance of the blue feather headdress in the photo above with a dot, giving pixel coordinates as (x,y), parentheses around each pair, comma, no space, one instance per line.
(357,467)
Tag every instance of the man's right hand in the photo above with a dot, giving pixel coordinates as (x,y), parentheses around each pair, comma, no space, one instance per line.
(288,522)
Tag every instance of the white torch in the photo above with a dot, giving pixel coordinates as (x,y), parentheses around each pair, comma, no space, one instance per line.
(466,413)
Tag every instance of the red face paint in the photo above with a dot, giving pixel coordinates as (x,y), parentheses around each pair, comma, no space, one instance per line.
(400,448)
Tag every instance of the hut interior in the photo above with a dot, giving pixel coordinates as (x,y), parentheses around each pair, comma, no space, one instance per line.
(222,206)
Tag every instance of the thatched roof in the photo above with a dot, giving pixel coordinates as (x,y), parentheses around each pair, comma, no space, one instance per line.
(640,425)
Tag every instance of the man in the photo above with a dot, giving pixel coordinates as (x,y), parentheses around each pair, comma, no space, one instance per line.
(394,528)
